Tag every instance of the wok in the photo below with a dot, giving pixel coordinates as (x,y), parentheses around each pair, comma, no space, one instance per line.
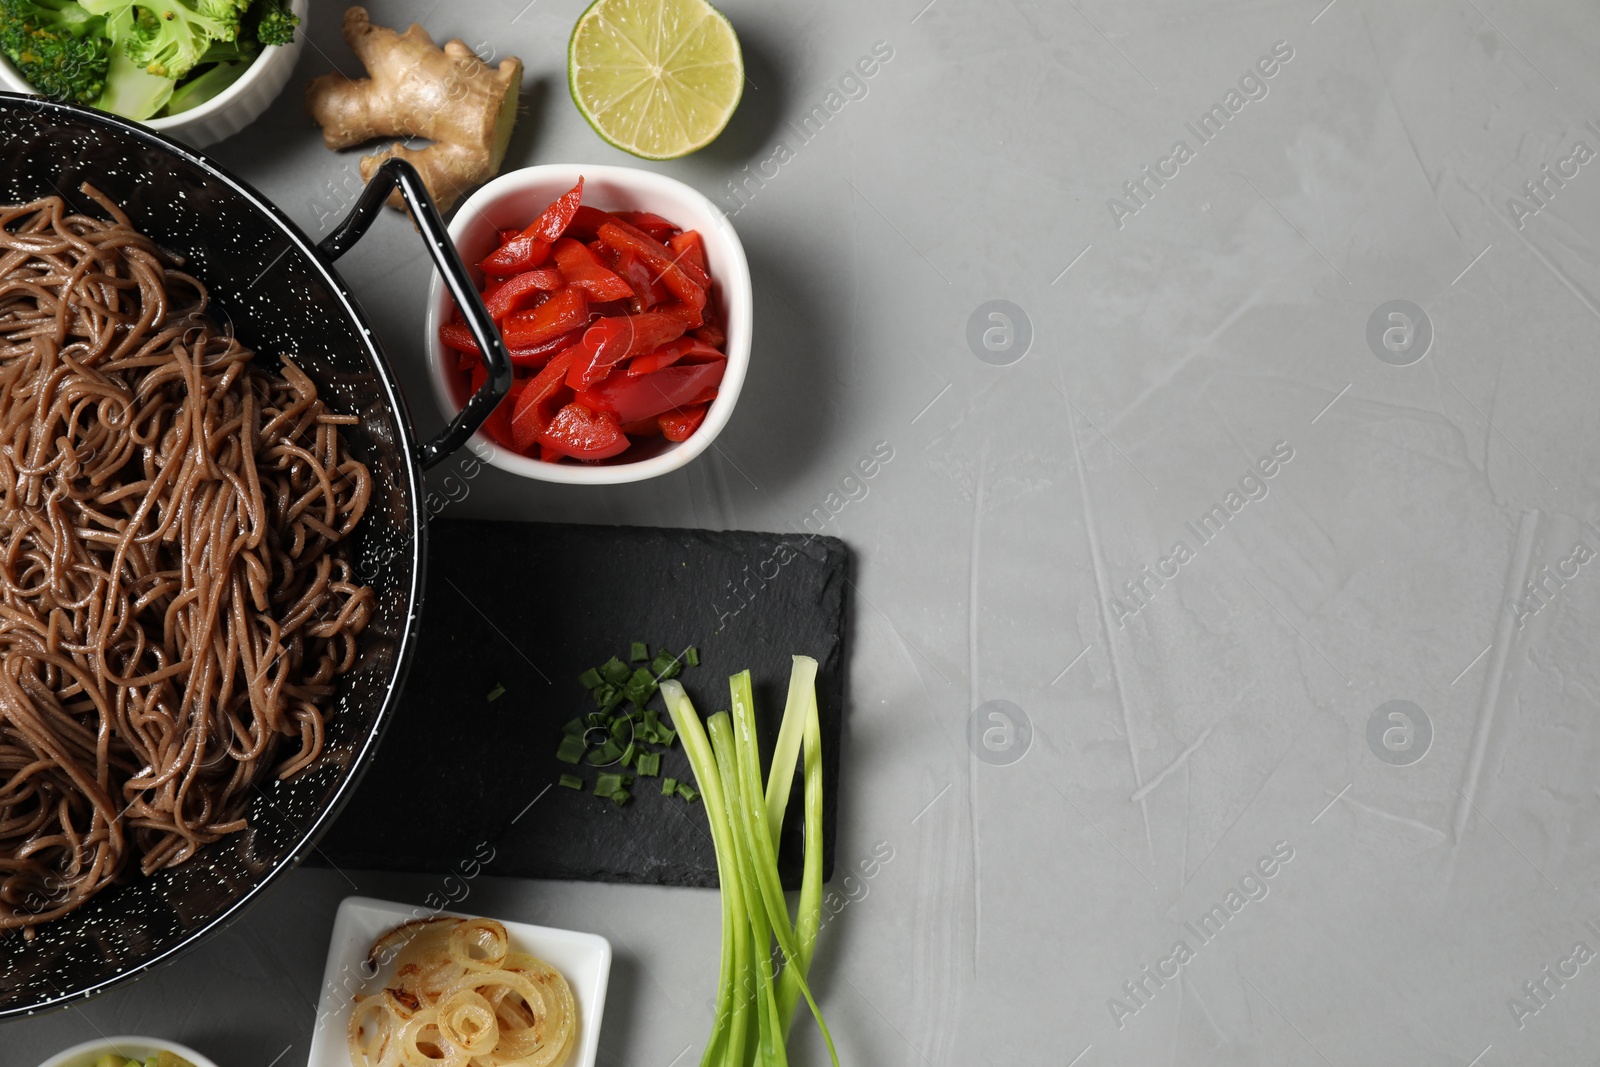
(283,296)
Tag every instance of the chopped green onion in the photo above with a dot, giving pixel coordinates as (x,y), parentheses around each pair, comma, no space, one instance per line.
(606,784)
(614,736)
(605,755)
(571,781)
(640,687)
(621,797)
(497,692)
(571,749)
(665,665)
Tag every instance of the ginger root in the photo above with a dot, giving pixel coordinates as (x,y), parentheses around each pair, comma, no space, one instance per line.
(415,88)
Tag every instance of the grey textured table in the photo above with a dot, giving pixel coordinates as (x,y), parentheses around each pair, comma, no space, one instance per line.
(1200,504)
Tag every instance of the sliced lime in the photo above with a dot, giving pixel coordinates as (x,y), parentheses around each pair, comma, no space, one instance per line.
(658,78)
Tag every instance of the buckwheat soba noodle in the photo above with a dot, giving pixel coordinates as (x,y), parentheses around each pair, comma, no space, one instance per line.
(176,595)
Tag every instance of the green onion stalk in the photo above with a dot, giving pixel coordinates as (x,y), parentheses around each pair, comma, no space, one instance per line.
(756,1002)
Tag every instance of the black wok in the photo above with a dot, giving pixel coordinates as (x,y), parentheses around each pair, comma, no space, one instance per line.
(283,296)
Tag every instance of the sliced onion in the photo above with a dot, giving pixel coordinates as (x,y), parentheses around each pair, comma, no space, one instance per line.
(366,1034)
(480,944)
(401,937)
(459,996)
(467,1020)
(420,1040)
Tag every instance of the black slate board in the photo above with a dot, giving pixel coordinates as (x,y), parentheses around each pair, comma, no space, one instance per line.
(528,606)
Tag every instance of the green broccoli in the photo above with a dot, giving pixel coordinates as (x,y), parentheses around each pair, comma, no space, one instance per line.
(276,22)
(170,37)
(57,46)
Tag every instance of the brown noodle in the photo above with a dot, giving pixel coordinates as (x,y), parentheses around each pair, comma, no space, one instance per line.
(176,594)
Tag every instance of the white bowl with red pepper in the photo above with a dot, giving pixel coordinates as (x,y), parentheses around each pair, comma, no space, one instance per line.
(624,300)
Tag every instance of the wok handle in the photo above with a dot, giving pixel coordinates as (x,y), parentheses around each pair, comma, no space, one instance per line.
(397,172)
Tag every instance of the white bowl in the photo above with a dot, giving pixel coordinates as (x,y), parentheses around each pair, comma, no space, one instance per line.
(584,960)
(133,1048)
(513,200)
(230,110)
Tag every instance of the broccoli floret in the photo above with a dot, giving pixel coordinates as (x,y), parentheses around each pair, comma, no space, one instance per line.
(244,50)
(169,37)
(57,46)
(276,22)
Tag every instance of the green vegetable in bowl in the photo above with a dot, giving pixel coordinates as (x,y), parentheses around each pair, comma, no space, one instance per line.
(138,60)
(168,44)
(276,22)
(160,1059)
(58,46)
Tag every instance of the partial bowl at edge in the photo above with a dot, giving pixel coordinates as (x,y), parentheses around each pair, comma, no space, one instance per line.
(229,111)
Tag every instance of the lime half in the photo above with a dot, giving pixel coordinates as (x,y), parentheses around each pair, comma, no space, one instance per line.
(658,78)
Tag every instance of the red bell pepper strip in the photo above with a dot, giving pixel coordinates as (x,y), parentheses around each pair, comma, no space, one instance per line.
(690,252)
(649,222)
(691,317)
(536,356)
(498,425)
(679,424)
(712,335)
(565,310)
(538,402)
(582,268)
(503,299)
(456,335)
(584,434)
(528,249)
(521,253)
(631,399)
(611,341)
(609,309)
(643,288)
(643,428)
(558,216)
(659,259)
(684,348)
(714,332)
(586,223)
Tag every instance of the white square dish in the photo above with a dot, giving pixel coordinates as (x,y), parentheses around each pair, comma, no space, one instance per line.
(583,959)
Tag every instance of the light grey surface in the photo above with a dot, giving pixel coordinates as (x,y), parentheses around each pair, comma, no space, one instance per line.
(1175,745)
